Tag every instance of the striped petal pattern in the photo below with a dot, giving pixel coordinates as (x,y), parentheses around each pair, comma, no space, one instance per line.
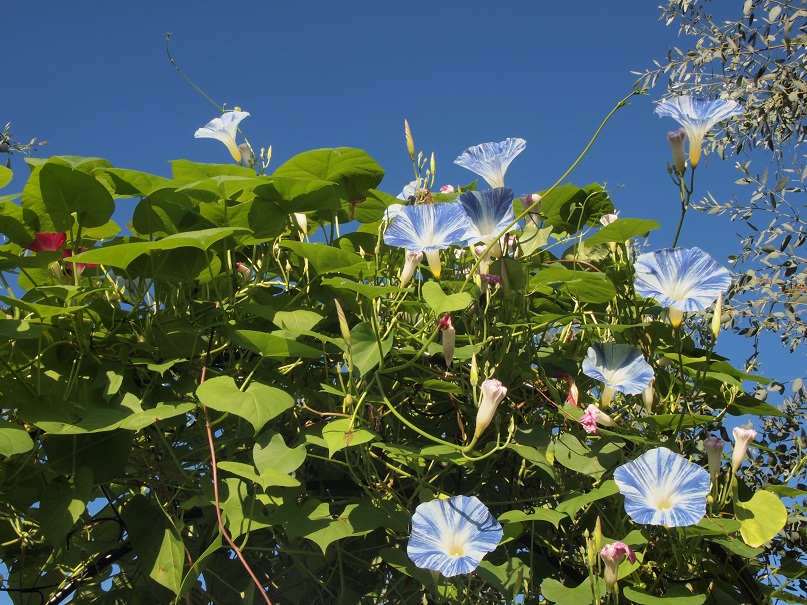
(452,535)
(663,488)
(687,279)
(489,213)
(427,227)
(620,366)
(697,116)
(490,160)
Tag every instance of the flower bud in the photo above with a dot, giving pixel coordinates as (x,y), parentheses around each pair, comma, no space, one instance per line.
(648,396)
(447,189)
(713,446)
(343,327)
(612,555)
(412,261)
(716,316)
(449,338)
(474,377)
(594,416)
(607,219)
(484,264)
(742,437)
(676,140)
(242,269)
(247,156)
(302,222)
(493,392)
(410,142)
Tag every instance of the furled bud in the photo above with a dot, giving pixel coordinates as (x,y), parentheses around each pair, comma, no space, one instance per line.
(242,269)
(343,327)
(474,374)
(713,446)
(493,392)
(449,338)
(594,416)
(247,156)
(302,222)
(742,437)
(447,189)
(716,316)
(412,261)
(648,396)
(607,219)
(676,140)
(410,142)
(484,264)
(612,555)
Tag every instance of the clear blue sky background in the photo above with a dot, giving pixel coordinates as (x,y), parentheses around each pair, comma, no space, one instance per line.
(92,78)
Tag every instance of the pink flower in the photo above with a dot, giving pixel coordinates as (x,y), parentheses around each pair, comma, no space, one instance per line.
(742,437)
(47,242)
(242,269)
(493,392)
(447,189)
(594,416)
(69,264)
(612,555)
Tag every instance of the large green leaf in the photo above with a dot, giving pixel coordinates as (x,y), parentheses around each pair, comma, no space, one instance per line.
(324,259)
(561,594)
(441,302)
(20,225)
(352,169)
(55,191)
(323,527)
(575,500)
(271,452)
(760,518)
(366,350)
(508,578)
(538,514)
(621,230)
(300,195)
(257,405)
(131,183)
(5,176)
(185,171)
(63,502)
(586,286)
(569,208)
(677,595)
(339,434)
(18,329)
(14,439)
(273,345)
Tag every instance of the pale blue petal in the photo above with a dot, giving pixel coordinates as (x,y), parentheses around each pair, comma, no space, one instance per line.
(687,279)
(489,212)
(444,525)
(663,488)
(427,227)
(620,366)
(409,190)
(696,114)
(490,160)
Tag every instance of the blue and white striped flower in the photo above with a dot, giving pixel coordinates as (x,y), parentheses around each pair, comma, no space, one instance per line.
(697,116)
(452,535)
(683,279)
(428,228)
(621,367)
(663,488)
(224,129)
(489,212)
(490,160)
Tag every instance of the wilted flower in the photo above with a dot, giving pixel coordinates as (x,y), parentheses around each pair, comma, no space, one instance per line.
(242,269)
(612,555)
(447,189)
(663,488)
(621,367)
(490,160)
(697,116)
(676,140)
(47,242)
(449,338)
(607,219)
(493,392)
(742,437)
(224,129)
(573,396)
(484,264)
(247,156)
(594,416)
(413,259)
(410,192)
(452,535)
(490,279)
(428,228)
(683,279)
(713,446)
(489,212)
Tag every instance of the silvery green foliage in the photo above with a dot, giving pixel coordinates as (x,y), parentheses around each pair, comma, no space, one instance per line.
(753,53)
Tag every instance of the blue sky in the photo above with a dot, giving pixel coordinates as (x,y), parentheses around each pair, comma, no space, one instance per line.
(93,79)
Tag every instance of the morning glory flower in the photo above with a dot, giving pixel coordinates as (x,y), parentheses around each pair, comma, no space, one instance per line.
(663,488)
(742,437)
(489,212)
(490,160)
(452,535)
(684,279)
(621,367)
(676,140)
(224,129)
(697,116)
(47,242)
(428,228)
(612,555)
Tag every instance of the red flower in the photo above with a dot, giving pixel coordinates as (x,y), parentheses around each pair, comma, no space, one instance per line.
(47,242)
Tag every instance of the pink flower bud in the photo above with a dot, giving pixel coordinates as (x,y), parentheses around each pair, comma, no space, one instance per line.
(247,157)
(449,338)
(493,392)
(242,269)
(713,446)
(594,416)
(447,189)
(742,437)
(612,555)
(676,140)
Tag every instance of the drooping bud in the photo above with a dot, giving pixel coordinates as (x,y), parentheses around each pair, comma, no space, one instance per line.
(247,156)
(676,140)
(713,446)
(612,555)
(716,316)
(493,392)
(742,437)
(648,396)
(242,269)
(343,327)
(449,337)
(607,219)
(573,397)
(412,261)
